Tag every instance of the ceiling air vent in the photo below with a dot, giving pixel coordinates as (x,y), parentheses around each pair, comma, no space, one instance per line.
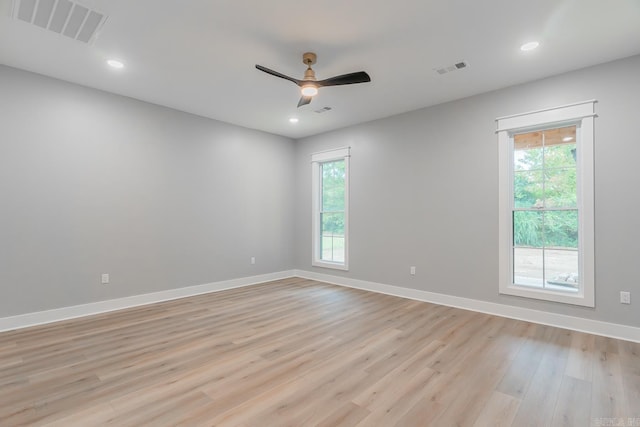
(64,17)
(323,110)
(455,67)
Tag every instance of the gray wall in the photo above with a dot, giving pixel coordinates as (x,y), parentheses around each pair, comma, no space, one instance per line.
(95,183)
(424,192)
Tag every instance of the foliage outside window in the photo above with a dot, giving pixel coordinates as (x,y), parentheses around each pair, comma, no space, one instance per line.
(546,204)
(330,208)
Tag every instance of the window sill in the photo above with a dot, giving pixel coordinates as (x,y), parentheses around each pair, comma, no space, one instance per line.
(331,265)
(573,298)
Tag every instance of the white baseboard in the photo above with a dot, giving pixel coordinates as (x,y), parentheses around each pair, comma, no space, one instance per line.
(596,327)
(613,330)
(64,313)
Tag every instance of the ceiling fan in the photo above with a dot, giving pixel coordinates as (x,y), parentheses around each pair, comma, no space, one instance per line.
(309,85)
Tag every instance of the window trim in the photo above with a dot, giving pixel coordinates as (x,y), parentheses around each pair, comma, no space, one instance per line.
(316,194)
(581,115)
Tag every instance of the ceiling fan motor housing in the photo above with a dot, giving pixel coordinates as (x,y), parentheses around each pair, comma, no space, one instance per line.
(309,74)
(309,59)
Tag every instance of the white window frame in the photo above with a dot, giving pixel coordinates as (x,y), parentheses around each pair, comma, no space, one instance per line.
(316,160)
(581,115)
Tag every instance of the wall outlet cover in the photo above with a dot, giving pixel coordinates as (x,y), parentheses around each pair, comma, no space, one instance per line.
(625,297)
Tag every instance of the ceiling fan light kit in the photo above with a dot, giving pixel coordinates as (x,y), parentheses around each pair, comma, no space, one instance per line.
(309,90)
(309,84)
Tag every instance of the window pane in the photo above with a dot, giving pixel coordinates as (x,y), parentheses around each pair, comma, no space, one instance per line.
(333,180)
(561,229)
(528,229)
(562,155)
(560,188)
(527,189)
(525,157)
(332,233)
(527,267)
(561,270)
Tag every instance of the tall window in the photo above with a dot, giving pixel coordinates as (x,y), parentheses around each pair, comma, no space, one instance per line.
(330,182)
(546,204)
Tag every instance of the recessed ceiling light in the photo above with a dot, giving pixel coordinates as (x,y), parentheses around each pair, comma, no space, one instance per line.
(529,46)
(567,138)
(293,120)
(115,63)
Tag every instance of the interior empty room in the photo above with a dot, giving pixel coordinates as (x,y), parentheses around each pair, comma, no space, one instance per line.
(297,213)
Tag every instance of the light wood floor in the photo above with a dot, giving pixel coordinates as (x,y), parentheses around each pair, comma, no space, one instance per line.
(302,353)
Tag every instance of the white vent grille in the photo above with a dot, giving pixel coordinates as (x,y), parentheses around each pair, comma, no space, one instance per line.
(450,68)
(64,17)
(323,110)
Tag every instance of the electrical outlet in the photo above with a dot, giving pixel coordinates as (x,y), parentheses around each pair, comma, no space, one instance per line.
(105,278)
(253,260)
(625,297)
(412,271)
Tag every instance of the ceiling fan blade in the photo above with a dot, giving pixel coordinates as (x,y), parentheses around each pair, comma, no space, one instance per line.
(277,74)
(346,79)
(304,100)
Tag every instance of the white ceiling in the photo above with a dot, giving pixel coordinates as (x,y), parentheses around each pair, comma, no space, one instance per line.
(198,56)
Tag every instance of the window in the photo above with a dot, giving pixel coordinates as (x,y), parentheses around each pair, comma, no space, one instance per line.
(547,203)
(330,180)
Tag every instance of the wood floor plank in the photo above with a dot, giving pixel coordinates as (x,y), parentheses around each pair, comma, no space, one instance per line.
(630,364)
(347,415)
(298,352)
(394,398)
(608,396)
(573,404)
(499,411)
(100,414)
(474,387)
(539,402)
(275,398)
(581,356)
(520,373)
(169,412)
